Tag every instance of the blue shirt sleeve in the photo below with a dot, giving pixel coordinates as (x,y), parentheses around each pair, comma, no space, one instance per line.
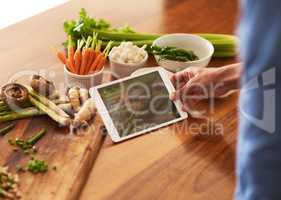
(259,143)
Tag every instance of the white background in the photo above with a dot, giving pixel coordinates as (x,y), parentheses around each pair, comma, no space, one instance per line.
(12,11)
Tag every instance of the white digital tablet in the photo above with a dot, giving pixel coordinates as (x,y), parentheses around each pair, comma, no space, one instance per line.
(137,104)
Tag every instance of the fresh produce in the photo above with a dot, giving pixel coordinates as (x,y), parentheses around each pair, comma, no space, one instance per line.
(14,94)
(37,166)
(129,53)
(44,87)
(9,185)
(66,107)
(23,113)
(85,114)
(100,58)
(225,45)
(61,119)
(88,61)
(7,129)
(50,108)
(74,96)
(78,56)
(173,53)
(60,109)
(84,95)
(30,142)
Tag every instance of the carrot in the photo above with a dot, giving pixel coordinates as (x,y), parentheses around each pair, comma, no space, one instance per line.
(78,56)
(97,56)
(68,66)
(61,56)
(100,64)
(70,53)
(96,62)
(85,56)
(92,54)
(100,59)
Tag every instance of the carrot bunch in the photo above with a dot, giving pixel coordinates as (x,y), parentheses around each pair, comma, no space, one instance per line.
(87,58)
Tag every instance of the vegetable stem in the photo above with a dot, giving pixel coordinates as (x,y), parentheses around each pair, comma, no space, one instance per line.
(7,129)
(63,120)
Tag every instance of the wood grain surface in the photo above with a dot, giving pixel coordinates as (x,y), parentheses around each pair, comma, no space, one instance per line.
(176,162)
(72,156)
(191,159)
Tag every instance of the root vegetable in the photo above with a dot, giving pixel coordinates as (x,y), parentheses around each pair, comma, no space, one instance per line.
(74,97)
(85,114)
(84,95)
(66,107)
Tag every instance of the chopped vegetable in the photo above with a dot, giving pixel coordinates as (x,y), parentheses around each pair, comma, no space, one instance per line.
(74,97)
(9,185)
(29,143)
(127,52)
(7,129)
(173,53)
(14,94)
(37,166)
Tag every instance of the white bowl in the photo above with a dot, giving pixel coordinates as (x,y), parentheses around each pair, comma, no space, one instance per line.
(200,46)
(82,81)
(120,70)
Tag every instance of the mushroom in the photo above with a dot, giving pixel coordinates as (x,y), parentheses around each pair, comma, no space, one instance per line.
(42,85)
(14,94)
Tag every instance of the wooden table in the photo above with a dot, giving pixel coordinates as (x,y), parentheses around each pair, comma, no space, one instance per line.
(175,162)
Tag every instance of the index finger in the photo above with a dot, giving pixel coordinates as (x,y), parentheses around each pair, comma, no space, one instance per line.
(179,79)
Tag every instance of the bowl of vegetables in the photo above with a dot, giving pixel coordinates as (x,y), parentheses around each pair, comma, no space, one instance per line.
(176,52)
(127,58)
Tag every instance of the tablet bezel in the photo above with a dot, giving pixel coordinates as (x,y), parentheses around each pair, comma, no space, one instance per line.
(108,122)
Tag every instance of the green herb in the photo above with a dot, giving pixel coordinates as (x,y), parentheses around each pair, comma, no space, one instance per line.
(7,129)
(37,166)
(29,143)
(172,53)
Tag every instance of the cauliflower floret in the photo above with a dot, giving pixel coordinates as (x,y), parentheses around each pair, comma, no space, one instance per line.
(127,52)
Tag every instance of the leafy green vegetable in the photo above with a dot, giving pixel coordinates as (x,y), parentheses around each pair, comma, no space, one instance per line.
(37,166)
(172,53)
(225,45)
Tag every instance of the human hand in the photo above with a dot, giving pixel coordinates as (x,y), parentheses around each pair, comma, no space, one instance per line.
(194,84)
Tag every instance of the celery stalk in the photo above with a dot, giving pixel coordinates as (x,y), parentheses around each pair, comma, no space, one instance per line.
(110,35)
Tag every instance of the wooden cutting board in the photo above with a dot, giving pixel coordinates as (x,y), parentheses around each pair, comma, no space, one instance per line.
(72,155)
